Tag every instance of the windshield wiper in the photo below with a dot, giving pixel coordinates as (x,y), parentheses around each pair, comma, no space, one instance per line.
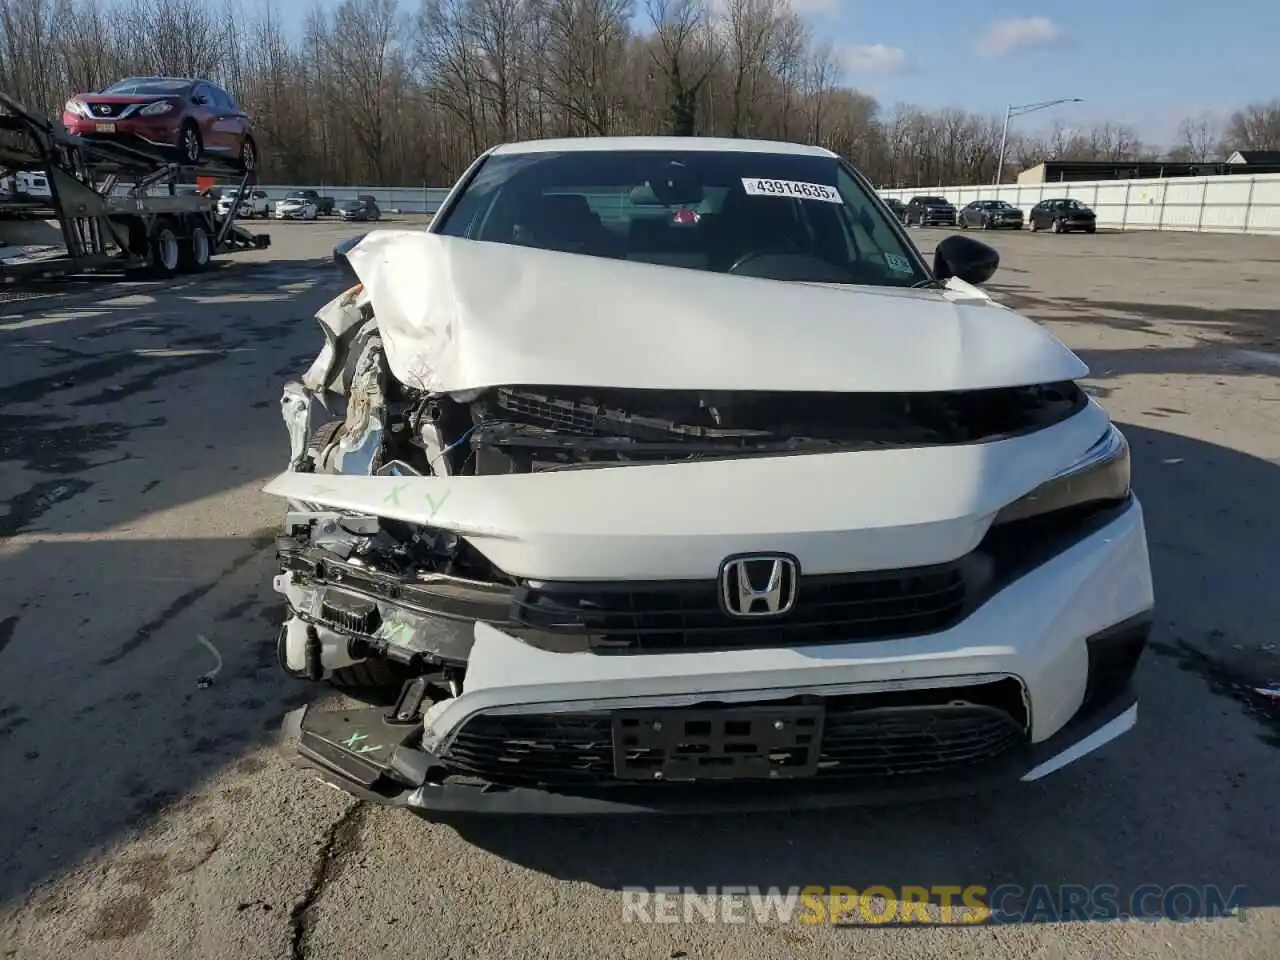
(931,282)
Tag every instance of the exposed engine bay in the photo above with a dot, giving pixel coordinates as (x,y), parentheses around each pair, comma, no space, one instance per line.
(364,587)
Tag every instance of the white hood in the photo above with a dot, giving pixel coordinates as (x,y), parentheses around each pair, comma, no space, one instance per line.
(458,315)
(839,512)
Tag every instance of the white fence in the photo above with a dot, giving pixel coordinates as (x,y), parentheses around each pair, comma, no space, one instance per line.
(1233,204)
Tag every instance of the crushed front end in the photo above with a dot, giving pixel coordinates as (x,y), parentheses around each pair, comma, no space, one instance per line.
(625,599)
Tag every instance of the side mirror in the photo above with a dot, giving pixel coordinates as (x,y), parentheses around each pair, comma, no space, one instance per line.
(199,100)
(343,264)
(963,257)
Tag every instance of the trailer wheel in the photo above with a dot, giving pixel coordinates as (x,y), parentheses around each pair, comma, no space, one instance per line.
(166,249)
(197,251)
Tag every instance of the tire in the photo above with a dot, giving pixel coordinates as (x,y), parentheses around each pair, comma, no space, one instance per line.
(986,223)
(325,434)
(197,250)
(247,161)
(1092,229)
(1035,227)
(962,223)
(1057,227)
(166,249)
(372,674)
(190,145)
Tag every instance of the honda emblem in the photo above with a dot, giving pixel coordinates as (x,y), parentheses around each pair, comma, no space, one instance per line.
(759,585)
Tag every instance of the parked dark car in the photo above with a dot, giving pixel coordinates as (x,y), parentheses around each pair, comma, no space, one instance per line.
(192,118)
(1063,216)
(898,207)
(361,208)
(930,212)
(990,215)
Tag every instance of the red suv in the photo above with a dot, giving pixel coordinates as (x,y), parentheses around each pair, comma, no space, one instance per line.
(193,117)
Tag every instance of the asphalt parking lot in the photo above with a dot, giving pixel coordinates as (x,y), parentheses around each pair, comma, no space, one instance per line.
(146,814)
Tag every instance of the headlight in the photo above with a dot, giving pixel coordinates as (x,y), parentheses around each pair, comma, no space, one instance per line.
(155,109)
(1100,476)
(76,107)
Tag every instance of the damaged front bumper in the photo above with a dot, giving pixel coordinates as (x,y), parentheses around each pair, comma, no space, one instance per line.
(1038,677)
(367,755)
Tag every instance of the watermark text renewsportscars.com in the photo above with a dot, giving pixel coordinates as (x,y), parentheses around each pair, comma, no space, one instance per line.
(937,905)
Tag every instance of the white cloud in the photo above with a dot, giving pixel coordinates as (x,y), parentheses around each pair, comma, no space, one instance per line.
(1005,36)
(872,58)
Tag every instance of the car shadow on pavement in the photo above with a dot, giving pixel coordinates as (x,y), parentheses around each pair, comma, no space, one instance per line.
(1152,809)
(137,621)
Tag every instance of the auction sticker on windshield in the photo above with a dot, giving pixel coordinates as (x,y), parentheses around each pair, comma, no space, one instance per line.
(759,187)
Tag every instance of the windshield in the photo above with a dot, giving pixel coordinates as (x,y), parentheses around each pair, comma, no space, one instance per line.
(147,86)
(1074,205)
(777,216)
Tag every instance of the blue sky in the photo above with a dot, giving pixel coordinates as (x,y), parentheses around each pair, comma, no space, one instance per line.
(1144,62)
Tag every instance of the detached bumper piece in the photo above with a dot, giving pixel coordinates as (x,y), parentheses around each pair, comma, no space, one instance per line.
(803,753)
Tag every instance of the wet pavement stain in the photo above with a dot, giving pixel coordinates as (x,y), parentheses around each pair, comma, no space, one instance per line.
(28,507)
(53,444)
(148,381)
(1229,682)
(38,388)
(8,626)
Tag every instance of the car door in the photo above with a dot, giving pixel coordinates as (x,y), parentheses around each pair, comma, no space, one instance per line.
(204,112)
(1037,215)
(971,213)
(226,126)
(235,120)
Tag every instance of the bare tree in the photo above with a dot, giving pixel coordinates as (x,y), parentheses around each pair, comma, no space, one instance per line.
(751,29)
(1255,127)
(358,95)
(686,52)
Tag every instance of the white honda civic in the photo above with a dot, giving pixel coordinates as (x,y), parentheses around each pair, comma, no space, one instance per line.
(669,476)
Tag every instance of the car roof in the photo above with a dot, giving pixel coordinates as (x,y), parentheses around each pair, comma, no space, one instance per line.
(166,79)
(701,144)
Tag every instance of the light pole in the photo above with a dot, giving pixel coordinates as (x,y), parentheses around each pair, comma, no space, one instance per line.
(1012,111)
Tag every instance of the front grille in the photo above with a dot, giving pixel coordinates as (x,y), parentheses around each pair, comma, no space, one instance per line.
(107,110)
(865,739)
(686,615)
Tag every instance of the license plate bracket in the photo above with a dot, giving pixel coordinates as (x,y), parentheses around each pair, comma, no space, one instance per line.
(105,128)
(733,743)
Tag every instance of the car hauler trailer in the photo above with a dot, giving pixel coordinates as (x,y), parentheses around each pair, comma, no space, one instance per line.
(114,206)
